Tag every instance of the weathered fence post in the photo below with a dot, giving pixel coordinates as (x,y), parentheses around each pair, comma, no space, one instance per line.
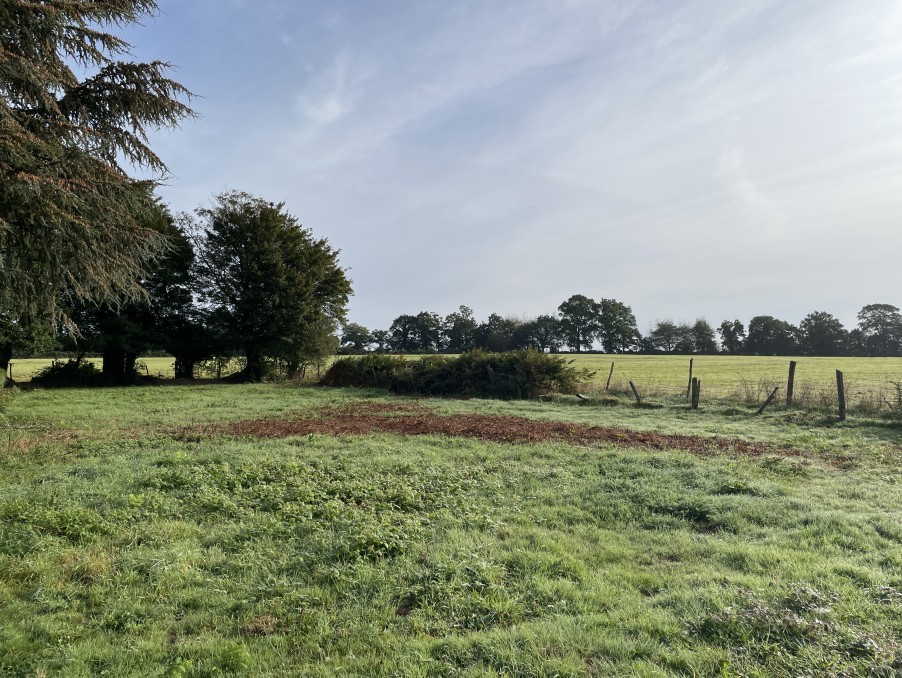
(689,385)
(790,383)
(773,394)
(696,392)
(841,393)
(636,393)
(610,374)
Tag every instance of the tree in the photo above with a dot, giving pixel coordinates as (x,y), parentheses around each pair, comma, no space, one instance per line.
(355,338)
(732,336)
(70,216)
(703,340)
(580,321)
(459,330)
(617,327)
(770,336)
(163,319)
(429,331)
(823,334)
(881,328)
(181,328)
(382,339)
(272,289)
(404,334)
(543,333)
(498,334)
(665,336)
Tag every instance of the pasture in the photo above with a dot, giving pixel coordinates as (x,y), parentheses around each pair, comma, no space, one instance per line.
(278,530)
(870,382)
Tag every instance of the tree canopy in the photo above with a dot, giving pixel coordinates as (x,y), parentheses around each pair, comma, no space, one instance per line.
(271,288)
(70,215)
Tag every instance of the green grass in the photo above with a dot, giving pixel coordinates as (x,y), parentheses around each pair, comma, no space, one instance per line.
(127,550)
(24,369)
(868,381)
(743,379)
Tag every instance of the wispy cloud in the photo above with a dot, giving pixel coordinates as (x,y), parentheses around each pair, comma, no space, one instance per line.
(507,155)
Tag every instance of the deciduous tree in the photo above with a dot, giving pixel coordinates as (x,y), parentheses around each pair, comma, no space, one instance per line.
(732,336)
(821,333)
(580,321)
(881,327)
(617,328)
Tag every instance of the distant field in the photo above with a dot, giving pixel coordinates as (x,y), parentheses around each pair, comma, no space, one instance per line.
(729,375)
(25,369)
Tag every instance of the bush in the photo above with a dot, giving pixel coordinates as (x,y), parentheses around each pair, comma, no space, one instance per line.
(72,373)
(516,374)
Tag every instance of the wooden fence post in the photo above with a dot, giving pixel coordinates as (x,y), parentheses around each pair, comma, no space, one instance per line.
(696,392)
(636,393)
(767,402)
(790,383)
(841,393)
(610,374)
(689,385)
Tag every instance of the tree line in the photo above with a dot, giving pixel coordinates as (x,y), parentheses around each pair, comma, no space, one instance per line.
(584,324)
(91,261)
(240,278)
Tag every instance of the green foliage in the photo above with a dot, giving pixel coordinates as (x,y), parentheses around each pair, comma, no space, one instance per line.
(821,333)
(580,321)
(769,336)
(732,336)
(69,374)
(881,329)
(70,216)
(617,329)
(274,291)
(516,374)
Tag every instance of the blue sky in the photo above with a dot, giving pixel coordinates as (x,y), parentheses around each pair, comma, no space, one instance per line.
(699,158)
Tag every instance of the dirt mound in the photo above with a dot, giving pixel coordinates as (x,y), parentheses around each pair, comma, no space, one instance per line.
(411,420)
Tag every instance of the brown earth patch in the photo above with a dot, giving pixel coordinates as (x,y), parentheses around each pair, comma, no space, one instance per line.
(352,421)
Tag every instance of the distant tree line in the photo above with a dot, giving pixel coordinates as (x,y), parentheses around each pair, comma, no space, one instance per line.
(584,324)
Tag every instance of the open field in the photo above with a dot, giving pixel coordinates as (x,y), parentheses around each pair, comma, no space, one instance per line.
(153,531)
(23,369)
(870,382)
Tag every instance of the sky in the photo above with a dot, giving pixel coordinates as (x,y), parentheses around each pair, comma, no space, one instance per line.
(692,159)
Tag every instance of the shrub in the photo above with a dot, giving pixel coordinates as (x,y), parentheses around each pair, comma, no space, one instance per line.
(72,373)
(516,374)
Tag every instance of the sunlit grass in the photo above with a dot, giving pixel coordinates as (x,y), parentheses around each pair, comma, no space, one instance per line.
(127,551)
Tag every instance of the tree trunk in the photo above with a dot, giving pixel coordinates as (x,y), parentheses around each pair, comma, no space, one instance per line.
(253,371)
(129,373)
(6,354)
(114,365)
(184,368)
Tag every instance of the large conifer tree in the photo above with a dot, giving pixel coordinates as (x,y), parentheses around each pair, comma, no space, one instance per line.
(70,215)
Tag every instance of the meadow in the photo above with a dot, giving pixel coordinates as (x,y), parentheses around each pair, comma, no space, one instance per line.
(175,531)
(870,382)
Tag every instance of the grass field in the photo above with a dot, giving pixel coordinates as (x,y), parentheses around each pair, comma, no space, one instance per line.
(745,379)
(23,369)
(138,537)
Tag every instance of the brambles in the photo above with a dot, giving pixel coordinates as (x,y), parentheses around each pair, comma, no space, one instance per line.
(517,374)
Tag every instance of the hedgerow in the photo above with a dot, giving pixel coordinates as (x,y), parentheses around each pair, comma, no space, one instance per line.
(512,375)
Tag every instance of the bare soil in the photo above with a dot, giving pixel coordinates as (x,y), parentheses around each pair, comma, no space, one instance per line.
(404,419)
